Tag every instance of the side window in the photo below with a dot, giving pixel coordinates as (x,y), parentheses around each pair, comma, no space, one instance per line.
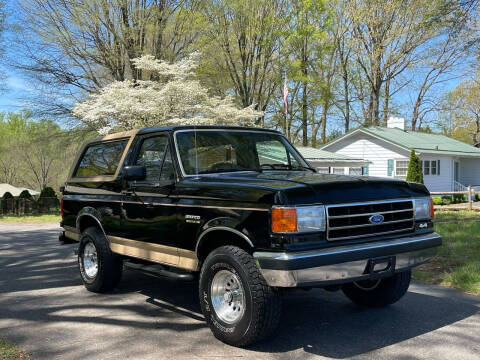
(101,159)
(167,173)
(151,156)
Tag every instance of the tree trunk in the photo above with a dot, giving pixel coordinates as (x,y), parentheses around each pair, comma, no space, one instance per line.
(304,97)
(324,121)
(386,102)
(347,100)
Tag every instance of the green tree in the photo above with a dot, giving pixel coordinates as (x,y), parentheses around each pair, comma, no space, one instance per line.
(7,195)
(308,46)
(415,173)
(25,194)
(461,118)
(48,192)
(86,44)
(242,42)
(387,38)
(33,153)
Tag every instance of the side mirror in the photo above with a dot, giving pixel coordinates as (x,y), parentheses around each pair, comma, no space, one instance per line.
(134,173)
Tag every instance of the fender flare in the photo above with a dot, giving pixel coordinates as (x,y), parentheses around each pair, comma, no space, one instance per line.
(92,213)
(221,228)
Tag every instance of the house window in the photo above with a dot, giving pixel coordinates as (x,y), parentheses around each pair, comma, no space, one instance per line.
(323,170)
(401,168)
(431,167)
(338,170)
(355,171)
(426,167)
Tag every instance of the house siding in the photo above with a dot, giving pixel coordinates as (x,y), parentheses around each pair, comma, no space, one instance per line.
(379,152)
(444,181)
(366,147)
(469,173)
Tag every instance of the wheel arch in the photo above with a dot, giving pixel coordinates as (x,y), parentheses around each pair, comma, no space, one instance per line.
(215,237)
(89,217)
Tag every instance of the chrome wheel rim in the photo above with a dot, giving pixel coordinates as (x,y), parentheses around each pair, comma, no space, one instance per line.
(90,260)
(228,297)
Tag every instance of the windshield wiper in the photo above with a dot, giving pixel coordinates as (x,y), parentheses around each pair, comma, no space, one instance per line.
(220,170)
(288,167)
(306,168)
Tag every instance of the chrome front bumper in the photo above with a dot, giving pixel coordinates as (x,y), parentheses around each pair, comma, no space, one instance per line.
(348,263)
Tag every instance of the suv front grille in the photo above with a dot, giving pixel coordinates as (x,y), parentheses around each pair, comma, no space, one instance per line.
(349,221)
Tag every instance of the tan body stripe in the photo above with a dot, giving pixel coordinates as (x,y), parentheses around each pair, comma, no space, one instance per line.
(162,254)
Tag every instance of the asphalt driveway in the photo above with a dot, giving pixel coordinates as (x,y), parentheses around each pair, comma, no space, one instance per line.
(45,309)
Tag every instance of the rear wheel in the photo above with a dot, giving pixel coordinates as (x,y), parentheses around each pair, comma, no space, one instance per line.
(378,293)
(100,269)
(237,303)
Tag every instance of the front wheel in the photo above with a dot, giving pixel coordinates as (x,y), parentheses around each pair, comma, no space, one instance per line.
(237,303)
(378,293)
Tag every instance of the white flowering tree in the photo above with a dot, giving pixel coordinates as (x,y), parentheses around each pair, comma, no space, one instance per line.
(171,96)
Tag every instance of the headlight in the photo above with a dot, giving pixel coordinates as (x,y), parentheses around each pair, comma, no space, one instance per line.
(423,208)
(298,219)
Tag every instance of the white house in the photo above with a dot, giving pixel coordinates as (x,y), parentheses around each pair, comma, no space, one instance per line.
(327,162)
(15,191)
(448,164)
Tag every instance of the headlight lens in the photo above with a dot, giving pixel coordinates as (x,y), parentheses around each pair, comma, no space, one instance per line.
(423,208)
(298,219)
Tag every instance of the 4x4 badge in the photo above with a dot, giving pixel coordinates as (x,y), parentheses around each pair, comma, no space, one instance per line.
(376,219)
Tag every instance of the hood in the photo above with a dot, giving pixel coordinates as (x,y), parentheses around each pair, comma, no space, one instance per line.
(302,187)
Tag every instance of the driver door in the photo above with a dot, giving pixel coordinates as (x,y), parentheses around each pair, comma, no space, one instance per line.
(149,212)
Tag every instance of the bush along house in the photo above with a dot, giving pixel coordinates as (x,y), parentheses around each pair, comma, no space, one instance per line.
(447,164)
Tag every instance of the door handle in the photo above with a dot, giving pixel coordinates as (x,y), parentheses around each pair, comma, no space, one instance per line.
(127,192)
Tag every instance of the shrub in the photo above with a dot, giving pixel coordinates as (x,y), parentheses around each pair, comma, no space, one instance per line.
(7,195)
(25,195)
(458,198)
(414,172)
(447,200)
(437,200)
(48,192)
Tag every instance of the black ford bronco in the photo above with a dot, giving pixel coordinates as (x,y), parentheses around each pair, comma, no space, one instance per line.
(240,208)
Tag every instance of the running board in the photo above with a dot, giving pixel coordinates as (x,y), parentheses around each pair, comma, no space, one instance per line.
(158,271)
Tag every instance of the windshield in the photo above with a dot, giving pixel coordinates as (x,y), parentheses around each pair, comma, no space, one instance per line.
(230,150)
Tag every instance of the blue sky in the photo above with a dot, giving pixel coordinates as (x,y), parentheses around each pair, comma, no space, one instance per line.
(17,87)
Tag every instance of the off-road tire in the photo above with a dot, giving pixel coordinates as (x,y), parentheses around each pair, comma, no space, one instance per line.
(262,302)
(386,292)
(110,265)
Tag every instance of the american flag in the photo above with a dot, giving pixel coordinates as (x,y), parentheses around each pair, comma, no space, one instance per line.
(285,97)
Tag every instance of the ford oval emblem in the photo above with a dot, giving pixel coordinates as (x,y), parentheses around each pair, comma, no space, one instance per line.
(376,219)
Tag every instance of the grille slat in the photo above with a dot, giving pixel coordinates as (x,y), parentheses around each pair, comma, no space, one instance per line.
(368,214)
(348,221)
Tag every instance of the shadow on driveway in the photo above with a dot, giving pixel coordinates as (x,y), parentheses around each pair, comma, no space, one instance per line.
(316,321)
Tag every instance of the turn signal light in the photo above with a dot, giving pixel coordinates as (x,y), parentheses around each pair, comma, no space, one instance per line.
(284,220)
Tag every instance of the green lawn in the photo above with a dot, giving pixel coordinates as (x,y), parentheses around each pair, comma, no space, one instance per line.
(11,352)
(31,218)
(458,261)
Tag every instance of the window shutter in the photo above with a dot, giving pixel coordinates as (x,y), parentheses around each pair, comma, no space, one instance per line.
(365,170)
(438,167)
(390,167)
